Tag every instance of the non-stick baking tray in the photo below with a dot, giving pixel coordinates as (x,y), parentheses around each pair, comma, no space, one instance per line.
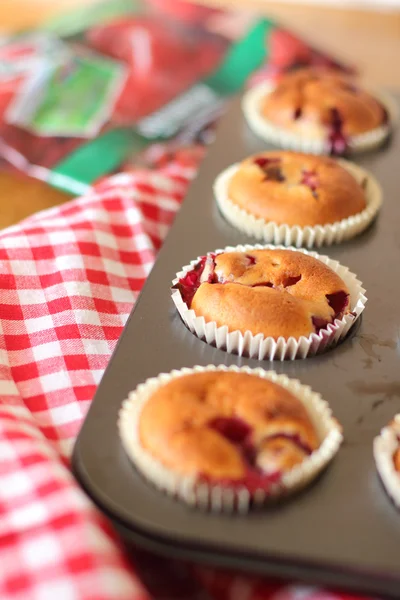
(341,531)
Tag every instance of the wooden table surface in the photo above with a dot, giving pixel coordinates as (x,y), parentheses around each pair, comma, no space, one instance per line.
(369,40)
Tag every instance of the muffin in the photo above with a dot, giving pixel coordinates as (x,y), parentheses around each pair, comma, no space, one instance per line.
(226,439)
(387,458)
(317,110)
(267,301)
(291,198)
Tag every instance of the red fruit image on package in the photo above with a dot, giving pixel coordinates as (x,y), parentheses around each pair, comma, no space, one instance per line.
(183,10)
(163,60)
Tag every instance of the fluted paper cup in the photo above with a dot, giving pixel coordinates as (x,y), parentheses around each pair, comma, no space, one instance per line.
(267,348)
(218,498)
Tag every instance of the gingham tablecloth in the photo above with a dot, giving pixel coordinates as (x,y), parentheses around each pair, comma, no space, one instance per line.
(69,277)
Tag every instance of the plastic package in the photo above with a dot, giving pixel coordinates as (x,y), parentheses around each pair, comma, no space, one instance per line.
(105,91)
(90,93)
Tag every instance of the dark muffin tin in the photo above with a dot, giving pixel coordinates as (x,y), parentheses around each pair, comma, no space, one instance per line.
(341,531)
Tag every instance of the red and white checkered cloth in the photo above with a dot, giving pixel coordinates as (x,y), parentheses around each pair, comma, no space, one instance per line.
(69,277)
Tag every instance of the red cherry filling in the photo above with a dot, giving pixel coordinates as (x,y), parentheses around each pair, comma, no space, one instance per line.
(233,429)
(270,168)
(297,113)
(239,433)
(338,301)
(338,142)
(189,284)
(273,174)
(263,162)
(310,179)
(251,260)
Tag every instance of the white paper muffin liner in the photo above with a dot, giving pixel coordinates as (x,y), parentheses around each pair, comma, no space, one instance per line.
(267,348)
(294,235)
(216,497)
(385,445)
(316,145)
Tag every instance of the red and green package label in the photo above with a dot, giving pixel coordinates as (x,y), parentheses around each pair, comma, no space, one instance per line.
(74,98)
(123,85)
(91,92)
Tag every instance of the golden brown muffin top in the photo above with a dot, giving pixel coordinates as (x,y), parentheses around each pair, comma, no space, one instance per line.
(272,292)
(312,101)
(228,427)
(295,189)
(396,460)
